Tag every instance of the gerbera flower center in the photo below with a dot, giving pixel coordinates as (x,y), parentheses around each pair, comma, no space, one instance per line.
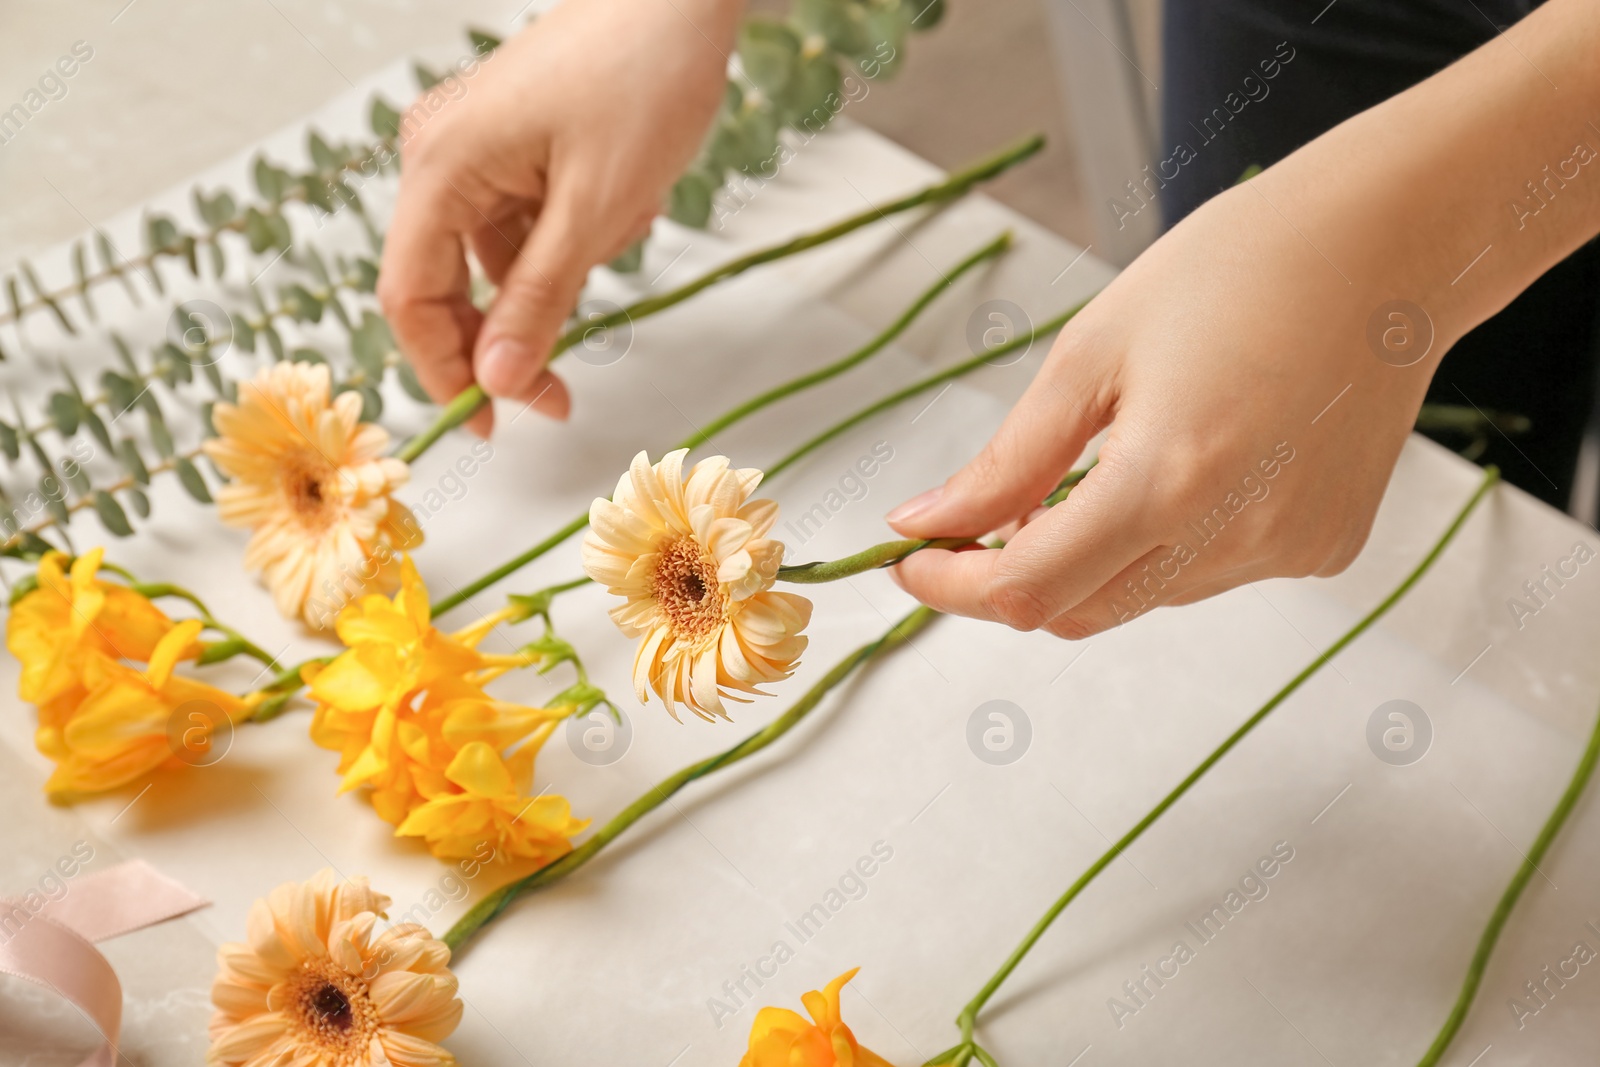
(310,489)
(687,589)
(332,1011)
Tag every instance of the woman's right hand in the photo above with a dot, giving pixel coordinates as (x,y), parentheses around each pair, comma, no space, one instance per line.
(553,156)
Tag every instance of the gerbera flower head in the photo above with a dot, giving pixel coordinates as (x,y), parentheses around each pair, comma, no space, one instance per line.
(312,483)
(783,1038)
(318,984)
(405,707)
(690,556)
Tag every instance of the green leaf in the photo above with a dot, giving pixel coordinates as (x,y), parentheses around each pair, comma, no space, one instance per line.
(214,376)
(109,261)
(769,51)
(14,298)
(816,94)
(97,427)
(371,343)
(140,502)
(482,43)
(55,498)
(323,156)
(75,475)
(631,258)
(385,120)
(132,462)
(257,230)
(219,258)
(112,517)
(10,442)
(160,435)
(192,481)
(66,410)
(366,276)
(841,23)
(300,303)
(887,26)
(121,391)
(426,79)
(690,202)
(45,298)
(318,269)
(124,353)
(243,333)
(271,182)
(371,403)
(274,340)
(160,235)
(189,249)
(408,382)
(175,365)
(307,355)
(80,277)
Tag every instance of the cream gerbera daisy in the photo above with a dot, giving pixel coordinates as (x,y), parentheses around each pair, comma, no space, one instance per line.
(691,555)
(311,480)
(318,984)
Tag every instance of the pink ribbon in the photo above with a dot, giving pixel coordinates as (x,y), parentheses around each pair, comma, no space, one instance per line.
(52,943)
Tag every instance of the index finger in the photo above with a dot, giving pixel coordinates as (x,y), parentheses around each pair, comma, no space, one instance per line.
(1052,565)
(424,287)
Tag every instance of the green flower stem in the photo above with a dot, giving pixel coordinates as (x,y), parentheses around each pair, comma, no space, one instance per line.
(869,559)
(473,397)
(497,901)
(1508,900)
(922,385)
(742,411)
(967,1020)
(889,553)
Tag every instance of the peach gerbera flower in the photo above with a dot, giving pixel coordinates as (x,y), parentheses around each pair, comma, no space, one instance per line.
(691,556)
(782,1038)
(317,984)
(312,483)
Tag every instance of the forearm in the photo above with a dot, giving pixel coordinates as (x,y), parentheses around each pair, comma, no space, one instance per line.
(1458,193)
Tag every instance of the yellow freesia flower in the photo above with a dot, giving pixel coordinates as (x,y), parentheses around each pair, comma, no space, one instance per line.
(404,706)
(129,722)
(494,806)
(71,614)
(782,1038)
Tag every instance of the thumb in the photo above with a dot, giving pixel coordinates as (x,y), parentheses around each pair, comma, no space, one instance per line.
(530,310)
(1021,465)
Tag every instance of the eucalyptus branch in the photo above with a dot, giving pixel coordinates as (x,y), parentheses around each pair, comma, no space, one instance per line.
(473,397)
(96,500)
(1508,900)
(967,1020)
(743,411)
(498,900)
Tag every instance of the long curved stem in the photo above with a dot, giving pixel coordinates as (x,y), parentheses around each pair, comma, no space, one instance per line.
(969,1014)
(955,185)
(497,901)
(742,411)
(1508,900)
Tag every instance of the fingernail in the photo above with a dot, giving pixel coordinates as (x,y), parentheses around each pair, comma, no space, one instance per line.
(502,366)
(917,505)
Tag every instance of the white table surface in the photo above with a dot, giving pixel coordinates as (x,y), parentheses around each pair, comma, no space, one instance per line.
(1352,958)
